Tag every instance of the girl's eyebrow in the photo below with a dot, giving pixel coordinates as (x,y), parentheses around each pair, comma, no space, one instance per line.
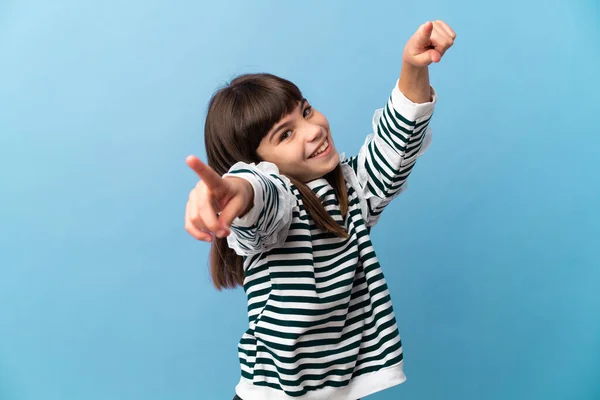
(278,127)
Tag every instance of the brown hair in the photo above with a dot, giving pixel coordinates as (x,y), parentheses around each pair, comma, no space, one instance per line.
(239,116)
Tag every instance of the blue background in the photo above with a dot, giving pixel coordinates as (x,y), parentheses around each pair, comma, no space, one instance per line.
(492,255)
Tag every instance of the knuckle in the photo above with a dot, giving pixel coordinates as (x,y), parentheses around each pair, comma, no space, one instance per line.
(205,198)
(195,220)
(189,225)
(189,229)
(200,207)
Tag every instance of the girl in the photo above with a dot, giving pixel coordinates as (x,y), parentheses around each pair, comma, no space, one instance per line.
(290,222)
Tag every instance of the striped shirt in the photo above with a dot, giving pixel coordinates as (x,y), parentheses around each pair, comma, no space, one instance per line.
(321,322)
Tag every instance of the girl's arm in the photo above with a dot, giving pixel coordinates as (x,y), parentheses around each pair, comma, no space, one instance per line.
(385,161)
(401,129)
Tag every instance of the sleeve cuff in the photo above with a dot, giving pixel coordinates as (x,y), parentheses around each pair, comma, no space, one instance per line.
(411,110)
(252,173)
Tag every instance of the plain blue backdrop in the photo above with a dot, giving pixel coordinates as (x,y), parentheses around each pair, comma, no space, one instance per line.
(495,277)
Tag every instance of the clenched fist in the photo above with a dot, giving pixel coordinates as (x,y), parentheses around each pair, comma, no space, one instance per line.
(428,44)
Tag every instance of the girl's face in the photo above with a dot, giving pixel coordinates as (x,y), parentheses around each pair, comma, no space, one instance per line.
(300,144)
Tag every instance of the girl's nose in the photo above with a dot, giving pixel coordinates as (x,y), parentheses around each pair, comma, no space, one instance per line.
(313,132)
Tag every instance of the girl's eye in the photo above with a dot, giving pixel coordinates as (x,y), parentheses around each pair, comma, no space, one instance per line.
(307,111)
(285,135)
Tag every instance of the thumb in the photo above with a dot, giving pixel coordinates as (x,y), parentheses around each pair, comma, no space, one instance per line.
(428,57)
(231,211)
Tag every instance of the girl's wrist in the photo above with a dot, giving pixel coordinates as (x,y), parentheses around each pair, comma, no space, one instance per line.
(414,83)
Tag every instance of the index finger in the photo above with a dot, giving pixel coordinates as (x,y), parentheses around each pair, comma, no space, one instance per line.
(424,32)
(205,172)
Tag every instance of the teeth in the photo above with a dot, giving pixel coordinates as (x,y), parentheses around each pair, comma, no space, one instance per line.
(321,149)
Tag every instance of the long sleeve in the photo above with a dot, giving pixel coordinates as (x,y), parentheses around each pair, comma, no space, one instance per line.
(384,162)
(265,226)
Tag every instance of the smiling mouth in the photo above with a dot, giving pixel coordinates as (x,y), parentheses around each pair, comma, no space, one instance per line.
(321,149)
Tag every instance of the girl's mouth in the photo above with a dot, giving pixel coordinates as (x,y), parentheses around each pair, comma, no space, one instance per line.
(322,150)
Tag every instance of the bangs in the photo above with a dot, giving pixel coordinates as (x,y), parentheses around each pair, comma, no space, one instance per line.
(261,104)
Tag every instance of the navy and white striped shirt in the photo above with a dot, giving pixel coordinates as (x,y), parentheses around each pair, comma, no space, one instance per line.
(321,323)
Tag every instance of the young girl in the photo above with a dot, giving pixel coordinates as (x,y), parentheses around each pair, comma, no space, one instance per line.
(290,222)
